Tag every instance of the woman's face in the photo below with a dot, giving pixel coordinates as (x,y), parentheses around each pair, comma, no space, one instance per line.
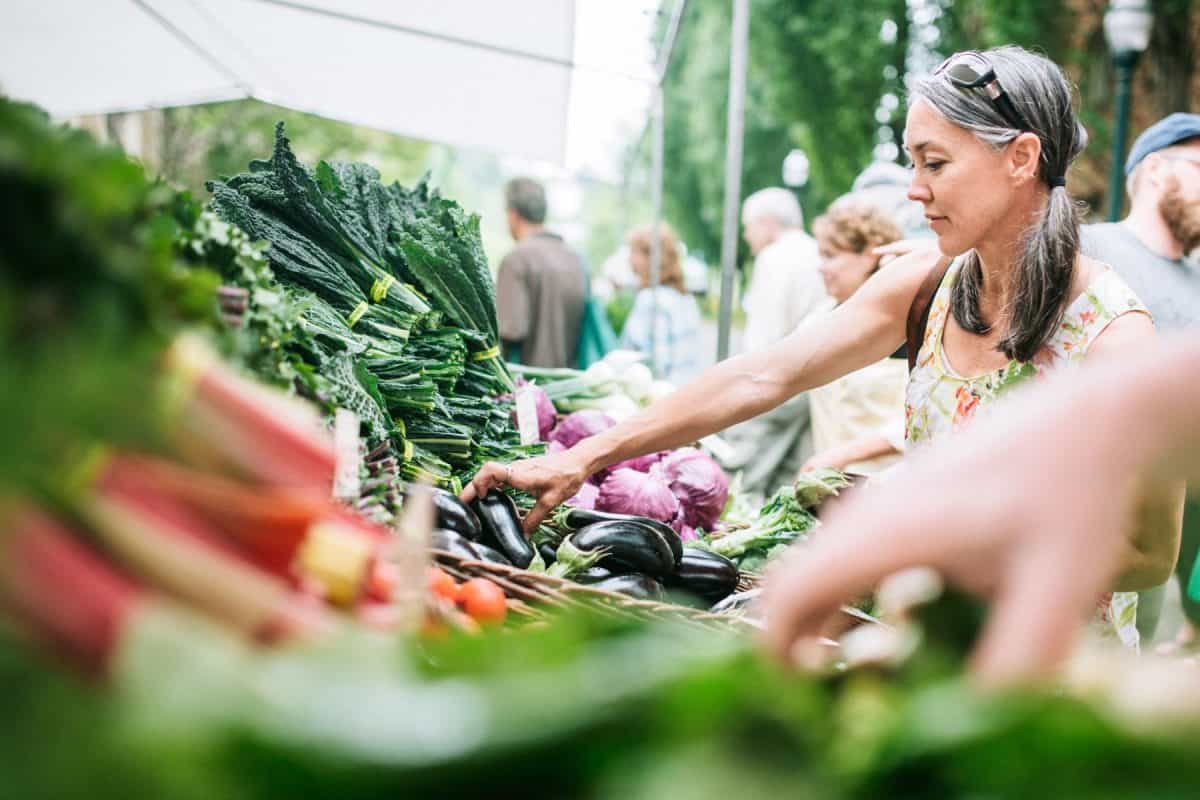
(844,270)
(639,259)
(966,187)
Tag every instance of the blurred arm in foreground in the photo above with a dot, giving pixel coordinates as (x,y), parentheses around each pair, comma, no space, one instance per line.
(1042,495)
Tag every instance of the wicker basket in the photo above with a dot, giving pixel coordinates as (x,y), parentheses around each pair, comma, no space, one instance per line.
(533,595)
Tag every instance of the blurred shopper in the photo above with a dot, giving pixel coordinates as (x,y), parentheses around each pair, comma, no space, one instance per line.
(541,286)
(991,135)
(858,419)
(665,321)
(785,284)
(785,289)
(1149,249)
(1039,545)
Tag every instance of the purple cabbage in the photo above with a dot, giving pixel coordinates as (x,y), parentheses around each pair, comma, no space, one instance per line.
(700,485)
(627,491)
(576,427)
(586,497)
(639,463)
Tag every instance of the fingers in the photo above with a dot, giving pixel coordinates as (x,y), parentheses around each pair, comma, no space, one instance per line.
(893,250)
(851,554)
(1037,614)
(541,509)
(490,475)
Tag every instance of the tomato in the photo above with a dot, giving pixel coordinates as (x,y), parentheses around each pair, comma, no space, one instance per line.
(440,584)
(381,584)
(483,600)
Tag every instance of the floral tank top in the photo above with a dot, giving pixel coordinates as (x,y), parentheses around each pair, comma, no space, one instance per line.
(939,401)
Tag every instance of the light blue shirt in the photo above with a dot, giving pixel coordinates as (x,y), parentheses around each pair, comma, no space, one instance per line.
(676,331)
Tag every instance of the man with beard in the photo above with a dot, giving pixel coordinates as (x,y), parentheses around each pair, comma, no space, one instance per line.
(1149,249)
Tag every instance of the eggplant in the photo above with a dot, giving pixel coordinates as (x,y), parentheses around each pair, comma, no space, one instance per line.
(635,584)
(709,575)
(502,527)
(578,518)
(593,574)
(548,553)
(453,514)
(490,554)
(628,544)
(453,542)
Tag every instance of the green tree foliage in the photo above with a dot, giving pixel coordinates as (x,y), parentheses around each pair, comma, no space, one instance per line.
(199,142)
(816,74)
(814,78)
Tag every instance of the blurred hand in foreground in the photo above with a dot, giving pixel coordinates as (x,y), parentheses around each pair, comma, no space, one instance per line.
(1031,508)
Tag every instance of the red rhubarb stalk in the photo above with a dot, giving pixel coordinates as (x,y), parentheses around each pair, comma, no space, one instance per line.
(63,591)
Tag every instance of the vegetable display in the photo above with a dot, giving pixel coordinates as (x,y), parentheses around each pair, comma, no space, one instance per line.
(389,303)
(167,531)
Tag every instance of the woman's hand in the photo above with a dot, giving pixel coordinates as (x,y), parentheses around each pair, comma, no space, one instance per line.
(893,250)
(834,457)
(552,479)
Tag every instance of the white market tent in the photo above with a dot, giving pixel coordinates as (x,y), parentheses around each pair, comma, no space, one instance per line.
(483,75)
(492,75)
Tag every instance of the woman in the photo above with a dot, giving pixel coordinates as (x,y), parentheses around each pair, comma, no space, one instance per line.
(665,320)
(991,136)
(858,420)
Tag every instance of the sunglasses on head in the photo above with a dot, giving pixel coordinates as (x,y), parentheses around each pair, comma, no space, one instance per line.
(971,70)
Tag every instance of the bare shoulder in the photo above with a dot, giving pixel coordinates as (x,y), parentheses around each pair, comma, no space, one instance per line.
(1087,269)
(895,285)
(1128,334)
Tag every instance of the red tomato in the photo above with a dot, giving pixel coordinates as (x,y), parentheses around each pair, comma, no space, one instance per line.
(381,584)
(483,600)
(441,584)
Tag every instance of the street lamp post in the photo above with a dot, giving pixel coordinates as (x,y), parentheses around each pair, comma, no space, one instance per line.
(1127,25)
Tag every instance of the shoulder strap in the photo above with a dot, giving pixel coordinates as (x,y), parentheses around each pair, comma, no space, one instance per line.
(918,312)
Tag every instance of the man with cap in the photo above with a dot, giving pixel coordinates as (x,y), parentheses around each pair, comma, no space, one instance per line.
(1149,249)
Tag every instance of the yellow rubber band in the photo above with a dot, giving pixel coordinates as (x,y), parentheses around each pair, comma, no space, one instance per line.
(491,352)
(401,427)
(408,450)
(357,313)
(380,288)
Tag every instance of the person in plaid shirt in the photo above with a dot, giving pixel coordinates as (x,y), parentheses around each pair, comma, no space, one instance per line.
(667,309)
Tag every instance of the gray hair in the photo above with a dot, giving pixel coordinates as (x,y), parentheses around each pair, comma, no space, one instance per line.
(526,197)
(779,204)
(1046,264)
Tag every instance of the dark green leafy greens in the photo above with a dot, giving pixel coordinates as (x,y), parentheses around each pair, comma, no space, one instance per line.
(394,301)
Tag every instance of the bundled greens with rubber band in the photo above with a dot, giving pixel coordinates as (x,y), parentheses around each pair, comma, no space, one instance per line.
(391,303)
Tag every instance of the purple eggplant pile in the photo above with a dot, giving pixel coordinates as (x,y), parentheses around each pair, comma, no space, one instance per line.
(636,556)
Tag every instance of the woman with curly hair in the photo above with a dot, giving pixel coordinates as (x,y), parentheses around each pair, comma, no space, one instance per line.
(858,419)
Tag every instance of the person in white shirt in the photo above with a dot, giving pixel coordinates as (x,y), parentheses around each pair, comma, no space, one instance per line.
(785,289)
(785,285)
(858,419)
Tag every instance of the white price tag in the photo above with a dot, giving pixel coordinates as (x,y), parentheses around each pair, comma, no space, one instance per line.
(347,457)
(527,421)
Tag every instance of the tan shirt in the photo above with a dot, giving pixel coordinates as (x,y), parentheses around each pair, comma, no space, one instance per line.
(540,292)
(866,403)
